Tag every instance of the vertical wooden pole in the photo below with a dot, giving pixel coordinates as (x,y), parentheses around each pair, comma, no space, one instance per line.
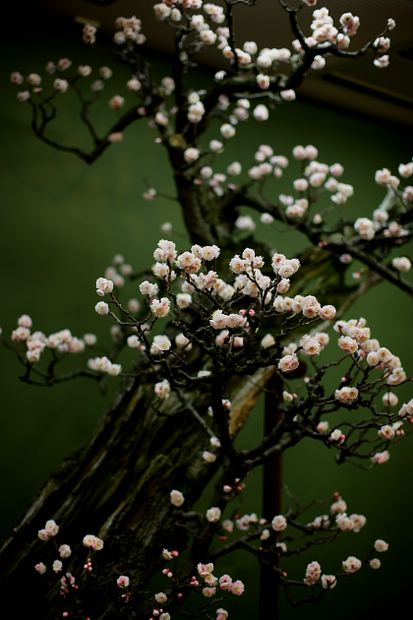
(272,501)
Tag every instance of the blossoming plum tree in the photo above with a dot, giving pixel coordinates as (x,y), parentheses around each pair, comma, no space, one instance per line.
(218,323)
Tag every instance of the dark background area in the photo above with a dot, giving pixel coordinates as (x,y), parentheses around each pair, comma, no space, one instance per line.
(61,223)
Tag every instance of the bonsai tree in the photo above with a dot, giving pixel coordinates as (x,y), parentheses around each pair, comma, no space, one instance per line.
(136,524)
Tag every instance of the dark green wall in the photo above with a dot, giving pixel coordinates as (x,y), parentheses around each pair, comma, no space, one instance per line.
(61,223)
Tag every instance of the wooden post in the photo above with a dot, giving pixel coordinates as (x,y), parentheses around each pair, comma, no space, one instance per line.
(272,501)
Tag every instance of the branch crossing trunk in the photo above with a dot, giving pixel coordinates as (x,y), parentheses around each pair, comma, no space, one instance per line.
(118,488)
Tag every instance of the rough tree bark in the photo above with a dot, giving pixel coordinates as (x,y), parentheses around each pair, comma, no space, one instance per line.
(118,487)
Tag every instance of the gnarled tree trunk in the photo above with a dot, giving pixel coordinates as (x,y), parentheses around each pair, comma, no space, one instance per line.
(118,488)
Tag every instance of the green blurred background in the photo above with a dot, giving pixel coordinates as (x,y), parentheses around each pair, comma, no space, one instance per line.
(61,224)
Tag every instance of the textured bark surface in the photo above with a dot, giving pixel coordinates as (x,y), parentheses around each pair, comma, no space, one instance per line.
(118,488)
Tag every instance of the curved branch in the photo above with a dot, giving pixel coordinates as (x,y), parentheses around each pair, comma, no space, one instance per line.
(39,127)
(374,264)
(316,237)
(84,113)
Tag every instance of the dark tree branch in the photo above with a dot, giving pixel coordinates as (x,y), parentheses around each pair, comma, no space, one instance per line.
(272,494)
(39,127)
(316,236)
(231,40)
(84,113)
(373,263)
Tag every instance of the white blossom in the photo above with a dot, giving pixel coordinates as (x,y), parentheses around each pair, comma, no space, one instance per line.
(261,112)
(60,85)
(402,264)
(160,344)
(102,308)
(93,542)
(381,545)
(279,523)
(163,389)
(227,130)
(177,498)
(213,514)
(351,564)
(328,582)
(104,286)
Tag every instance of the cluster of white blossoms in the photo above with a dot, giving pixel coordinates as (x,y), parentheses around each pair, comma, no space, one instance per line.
(36,341)
(210,456)
(203,581)
(187,281)
(340,519)
(212,584)
(242,522)
(63,74)
(128,31)
(337,521)
(206,21)
(312,573)
(380,223)
(346,394)
(196,108)
(355,339)
(116,272)
(319,175)
(343,522)
(369,356)
(325,33)
(317,178)
(190,272)
(250,281)
(205,25)
(49,532)
(103,364)
(93,542)
(104,286)
(324,30)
